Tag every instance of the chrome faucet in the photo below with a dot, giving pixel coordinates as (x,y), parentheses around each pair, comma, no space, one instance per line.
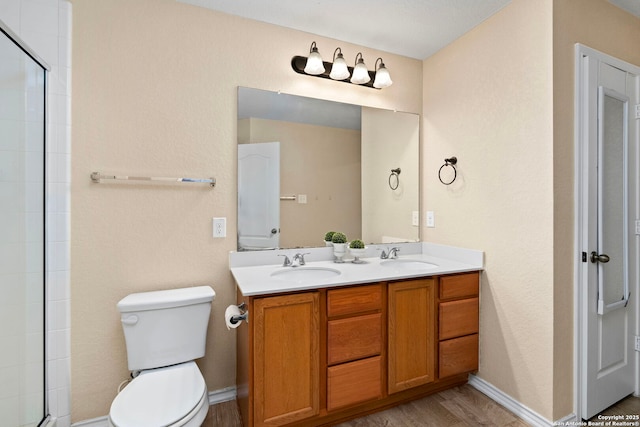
(298,259)
(286,262)
(393,253)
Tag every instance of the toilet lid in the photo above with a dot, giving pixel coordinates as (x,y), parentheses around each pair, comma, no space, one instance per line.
(159,397)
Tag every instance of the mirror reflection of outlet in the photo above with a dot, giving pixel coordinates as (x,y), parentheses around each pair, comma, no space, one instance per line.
(415,218)
(431,219)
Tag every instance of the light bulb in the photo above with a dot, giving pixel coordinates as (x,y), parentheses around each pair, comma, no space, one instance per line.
(314,62)
(383,78)
(360,73)
(339,69)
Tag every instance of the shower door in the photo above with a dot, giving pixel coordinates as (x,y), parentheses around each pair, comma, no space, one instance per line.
(22,290)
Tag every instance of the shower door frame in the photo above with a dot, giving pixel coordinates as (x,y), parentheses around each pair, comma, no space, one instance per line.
(15,39)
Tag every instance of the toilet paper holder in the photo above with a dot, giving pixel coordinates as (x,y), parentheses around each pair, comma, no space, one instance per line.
(243,316)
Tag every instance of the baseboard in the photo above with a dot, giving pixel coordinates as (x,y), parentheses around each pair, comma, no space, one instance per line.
(215,397)
(222,395)
(93,422)
(522,411)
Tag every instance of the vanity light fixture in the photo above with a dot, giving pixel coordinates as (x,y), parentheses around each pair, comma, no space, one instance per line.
(339,71)
(315,65)
(339,68)
(360,73)
(383,79)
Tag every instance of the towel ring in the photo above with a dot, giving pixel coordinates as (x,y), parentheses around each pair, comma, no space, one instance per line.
(394,172)
(448,162)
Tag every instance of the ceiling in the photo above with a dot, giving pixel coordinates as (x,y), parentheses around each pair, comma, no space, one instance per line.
(263,104)
(412,28)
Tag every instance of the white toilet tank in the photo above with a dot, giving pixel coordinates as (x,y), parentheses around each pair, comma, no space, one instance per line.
(163,328)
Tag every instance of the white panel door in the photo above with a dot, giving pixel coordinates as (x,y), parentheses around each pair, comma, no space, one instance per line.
(259,196)
(609,315)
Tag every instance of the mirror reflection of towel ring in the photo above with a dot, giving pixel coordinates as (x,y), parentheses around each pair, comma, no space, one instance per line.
(394,172)
(448,162)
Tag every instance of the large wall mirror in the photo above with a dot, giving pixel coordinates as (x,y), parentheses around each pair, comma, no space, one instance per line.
(307,166)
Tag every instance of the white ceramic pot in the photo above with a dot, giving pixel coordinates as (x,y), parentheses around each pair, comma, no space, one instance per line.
(357,254)
(339,249)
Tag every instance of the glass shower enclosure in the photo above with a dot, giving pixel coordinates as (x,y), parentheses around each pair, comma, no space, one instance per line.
(22,234)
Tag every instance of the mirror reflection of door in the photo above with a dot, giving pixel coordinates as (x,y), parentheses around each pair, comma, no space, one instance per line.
(259,196)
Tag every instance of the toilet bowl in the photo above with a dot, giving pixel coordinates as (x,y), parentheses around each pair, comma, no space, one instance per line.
(175,396)
(165,331)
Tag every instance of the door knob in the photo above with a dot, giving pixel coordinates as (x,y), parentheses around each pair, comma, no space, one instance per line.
(603,258)
(274,230)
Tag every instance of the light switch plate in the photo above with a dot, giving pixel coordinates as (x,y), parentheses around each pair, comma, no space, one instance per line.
(302,199)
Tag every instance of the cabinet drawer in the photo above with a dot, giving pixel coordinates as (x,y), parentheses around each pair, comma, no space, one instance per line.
(354,300)
(460,285)
(354,338)
(458,355)
(458,318)
(354,382)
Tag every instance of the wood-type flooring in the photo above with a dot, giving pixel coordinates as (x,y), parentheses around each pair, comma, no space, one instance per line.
(456,407)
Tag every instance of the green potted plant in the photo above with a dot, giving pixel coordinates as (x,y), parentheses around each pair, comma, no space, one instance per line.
(356,244)
(327,238)
(339,241)
(357,249)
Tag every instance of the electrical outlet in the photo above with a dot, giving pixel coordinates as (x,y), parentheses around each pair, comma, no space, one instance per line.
(637,343)
(431,219)
(302,199)
(415,218)
(219,227)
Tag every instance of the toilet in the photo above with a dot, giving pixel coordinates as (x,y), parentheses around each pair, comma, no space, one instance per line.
(165,331)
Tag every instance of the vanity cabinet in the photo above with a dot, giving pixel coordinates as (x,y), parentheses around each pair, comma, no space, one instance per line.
(411,334)
(458,324)
(354,345)
(320,357)
(286,364)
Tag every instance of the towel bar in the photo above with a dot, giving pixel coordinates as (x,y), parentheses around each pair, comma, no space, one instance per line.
(98,177)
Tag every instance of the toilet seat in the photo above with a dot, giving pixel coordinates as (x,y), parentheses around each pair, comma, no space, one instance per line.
(171,396)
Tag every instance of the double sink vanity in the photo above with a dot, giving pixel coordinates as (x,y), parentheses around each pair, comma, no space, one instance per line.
(326,342)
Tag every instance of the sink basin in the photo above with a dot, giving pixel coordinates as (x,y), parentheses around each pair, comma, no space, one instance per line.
(408,264)
(305,274)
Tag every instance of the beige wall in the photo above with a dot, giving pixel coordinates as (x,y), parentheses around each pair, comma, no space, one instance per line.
(488,100)
(501,99)
(602,26)
(154,93)
(324,164)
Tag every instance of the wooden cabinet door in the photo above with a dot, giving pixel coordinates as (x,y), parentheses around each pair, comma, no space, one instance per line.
(458,318)
(411,322)
(286,358)
(354,382)
(458,355)
(354,338)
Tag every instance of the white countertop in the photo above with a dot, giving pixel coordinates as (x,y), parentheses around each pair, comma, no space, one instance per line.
(257,273)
